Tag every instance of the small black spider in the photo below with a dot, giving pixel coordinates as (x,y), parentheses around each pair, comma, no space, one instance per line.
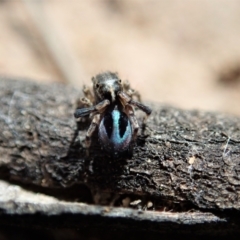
(112,110)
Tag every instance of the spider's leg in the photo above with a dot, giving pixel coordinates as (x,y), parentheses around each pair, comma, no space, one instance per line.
(130,112)
(136,94)
(125,99)
(83,112)
(86,102)
(88,93)
(130,91)
(99,108)
(141,106)
(95,122)
(126,85)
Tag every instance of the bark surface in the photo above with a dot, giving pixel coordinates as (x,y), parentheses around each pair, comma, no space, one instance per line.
(182,160)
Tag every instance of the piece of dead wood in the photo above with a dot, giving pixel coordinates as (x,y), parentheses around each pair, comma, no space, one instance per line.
(182,161)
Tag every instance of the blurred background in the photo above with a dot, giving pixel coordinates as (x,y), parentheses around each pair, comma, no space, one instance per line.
(180,52)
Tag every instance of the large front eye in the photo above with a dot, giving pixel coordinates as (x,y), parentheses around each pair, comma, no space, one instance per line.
(97,85)
(120,81)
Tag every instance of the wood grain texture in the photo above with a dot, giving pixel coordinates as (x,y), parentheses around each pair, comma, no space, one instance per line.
(182,158)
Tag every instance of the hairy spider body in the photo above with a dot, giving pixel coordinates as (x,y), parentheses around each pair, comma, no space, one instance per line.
(106,86)
(112,110)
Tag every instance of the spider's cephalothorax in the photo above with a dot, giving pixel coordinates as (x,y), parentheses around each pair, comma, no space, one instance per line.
(106,86)
(111,107)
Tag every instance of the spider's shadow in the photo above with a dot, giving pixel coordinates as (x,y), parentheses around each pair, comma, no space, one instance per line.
(98,161)
(76,148)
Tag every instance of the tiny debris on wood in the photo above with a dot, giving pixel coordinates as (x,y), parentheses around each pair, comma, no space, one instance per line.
(184,164)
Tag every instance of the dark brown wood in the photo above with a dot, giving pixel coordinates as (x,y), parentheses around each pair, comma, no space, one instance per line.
(182,160)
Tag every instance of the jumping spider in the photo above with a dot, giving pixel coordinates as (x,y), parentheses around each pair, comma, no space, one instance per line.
(112,110)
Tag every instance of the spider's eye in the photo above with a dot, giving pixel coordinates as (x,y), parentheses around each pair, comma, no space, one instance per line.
(120,81)
(97,85)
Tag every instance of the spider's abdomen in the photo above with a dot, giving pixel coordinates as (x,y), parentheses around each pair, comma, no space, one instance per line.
(115,133)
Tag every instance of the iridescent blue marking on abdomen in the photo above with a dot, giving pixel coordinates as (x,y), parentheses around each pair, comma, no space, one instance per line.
(115,133)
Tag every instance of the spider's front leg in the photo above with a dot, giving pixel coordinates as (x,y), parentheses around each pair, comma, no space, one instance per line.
(88,93)
(99,108)
(131,92)
(125,99)
(87,100)
(96,112)
(128,104)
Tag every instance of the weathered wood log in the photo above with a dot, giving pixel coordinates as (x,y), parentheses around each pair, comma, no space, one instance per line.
(182,160)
